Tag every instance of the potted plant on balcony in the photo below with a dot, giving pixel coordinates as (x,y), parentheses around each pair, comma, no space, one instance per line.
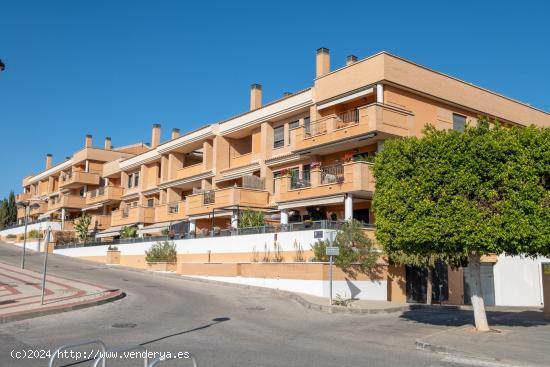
(315,164)
(113,255)
(216,231)
(162,256)
(348,157)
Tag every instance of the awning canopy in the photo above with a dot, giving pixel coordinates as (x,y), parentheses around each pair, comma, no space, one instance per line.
(93,207)
(337,199)
(209,215)
(47,214)
(158,227)
(109,232)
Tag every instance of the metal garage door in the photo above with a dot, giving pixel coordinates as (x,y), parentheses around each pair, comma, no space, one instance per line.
(487,285)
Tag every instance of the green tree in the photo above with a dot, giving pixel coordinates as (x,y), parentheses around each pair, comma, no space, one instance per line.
(356,249)
(12,209)
(457,196)
(128,232)
(82,226)
(251,218)
(162,252)
(3,213)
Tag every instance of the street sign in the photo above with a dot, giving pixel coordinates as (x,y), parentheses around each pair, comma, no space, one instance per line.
(333,251)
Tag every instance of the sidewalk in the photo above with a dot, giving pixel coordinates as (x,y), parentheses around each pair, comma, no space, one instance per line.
(20,292)
(517,337)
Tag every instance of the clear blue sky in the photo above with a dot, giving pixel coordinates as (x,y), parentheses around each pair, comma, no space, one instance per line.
(113,68)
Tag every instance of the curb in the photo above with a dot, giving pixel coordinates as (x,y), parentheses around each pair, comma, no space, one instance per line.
(118,294)
(459,356)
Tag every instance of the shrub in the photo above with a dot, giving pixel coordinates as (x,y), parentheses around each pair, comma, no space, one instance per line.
(162,252)
(128,232)
(251,218)
(112,248)
(34,233)
(299,252)
(11,236)
(82,226)
(277,253)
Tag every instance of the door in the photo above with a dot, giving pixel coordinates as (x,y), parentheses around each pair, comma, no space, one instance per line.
(487,285)
(416,280)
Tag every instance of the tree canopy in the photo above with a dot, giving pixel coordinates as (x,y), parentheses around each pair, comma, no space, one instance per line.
(449,193)
(456,196)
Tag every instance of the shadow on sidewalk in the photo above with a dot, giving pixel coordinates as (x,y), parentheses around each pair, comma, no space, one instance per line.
(455,317)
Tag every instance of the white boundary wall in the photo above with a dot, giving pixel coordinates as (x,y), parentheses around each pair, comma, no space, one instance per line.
(56,226)
(374,290)
(518,281)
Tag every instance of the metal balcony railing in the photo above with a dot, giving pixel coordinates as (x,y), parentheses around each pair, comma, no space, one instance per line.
(299,181)
(253,182)
(209,197)
(173,208)
(332,174)
(331,122)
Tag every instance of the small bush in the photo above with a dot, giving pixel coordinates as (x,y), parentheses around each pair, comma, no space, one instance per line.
(162,252)
(34,233)
(255,255)
(278,256)
(299,252)
(112,248)
(342,301)
(11,236)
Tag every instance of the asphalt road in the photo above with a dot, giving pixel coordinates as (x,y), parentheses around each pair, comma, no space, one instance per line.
(253,328)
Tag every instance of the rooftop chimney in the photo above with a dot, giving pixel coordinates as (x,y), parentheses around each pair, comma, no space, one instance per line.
(48,161)
(108,145)
(88,142)
(350,59)
(175,133)
(155,136)
(323,62)
(255,96)
(286,94)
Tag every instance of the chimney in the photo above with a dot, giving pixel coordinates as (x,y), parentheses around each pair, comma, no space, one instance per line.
(286,94)
(155,136)
(48,161)
(323,62)
(88,142)
(350,59)
(255,96)
(175,133)
(108,145)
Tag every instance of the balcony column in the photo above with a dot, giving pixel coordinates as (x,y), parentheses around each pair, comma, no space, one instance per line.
(380,93)
(284,216)
(192,226)
(62,218)
(348,207)
(87,166)
(235,219)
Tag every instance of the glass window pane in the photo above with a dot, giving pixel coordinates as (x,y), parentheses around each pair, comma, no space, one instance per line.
(459,122)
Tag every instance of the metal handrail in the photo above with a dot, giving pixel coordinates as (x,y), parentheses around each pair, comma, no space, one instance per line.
(332,174)
(67,346)
(209,197)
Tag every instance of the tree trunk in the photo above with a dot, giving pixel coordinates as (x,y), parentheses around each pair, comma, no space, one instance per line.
(475,292)
(429,288)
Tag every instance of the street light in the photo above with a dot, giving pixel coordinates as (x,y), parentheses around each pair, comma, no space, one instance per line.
(27,206)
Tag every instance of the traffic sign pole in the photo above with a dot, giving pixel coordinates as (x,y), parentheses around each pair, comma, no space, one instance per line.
(330,286)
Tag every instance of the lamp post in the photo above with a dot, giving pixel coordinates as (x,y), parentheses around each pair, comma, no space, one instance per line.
(27,206)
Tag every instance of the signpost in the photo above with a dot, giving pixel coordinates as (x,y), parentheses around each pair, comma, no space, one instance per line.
(47,243)
(330,252)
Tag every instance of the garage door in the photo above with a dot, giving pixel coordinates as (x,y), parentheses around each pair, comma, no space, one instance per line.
(487,285)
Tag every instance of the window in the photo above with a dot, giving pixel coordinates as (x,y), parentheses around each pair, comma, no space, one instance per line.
(136,179)
(459,122)
(291,126)
(307,124)
(279,137)
(130,181)
(276,175)
(150,202)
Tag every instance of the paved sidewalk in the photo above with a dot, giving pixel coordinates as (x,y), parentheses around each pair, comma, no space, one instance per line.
(521,338)
(20,293)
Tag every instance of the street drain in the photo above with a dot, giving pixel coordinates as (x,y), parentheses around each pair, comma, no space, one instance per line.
(126,325)
(255,308)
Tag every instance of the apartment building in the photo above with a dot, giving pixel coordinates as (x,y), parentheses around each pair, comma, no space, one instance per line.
(304,156)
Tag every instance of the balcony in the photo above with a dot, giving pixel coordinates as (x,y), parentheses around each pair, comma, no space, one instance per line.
(22,197)
(205,202)
(354,123)
(100,222)
(66,201)
(133,215)
(77,179)
(170,212)
(326,181)
(240,160)
(190,171)
(104,194)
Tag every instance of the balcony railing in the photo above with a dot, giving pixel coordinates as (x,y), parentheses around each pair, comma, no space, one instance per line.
(78,178)
(332,174)
(330,123)
(209,197)
(299,181)
(254,182)
(104,193)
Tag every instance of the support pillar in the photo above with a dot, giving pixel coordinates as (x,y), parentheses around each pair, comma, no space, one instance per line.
(284,216)
(235,219)
(192,226)
(348,207)
(62,218)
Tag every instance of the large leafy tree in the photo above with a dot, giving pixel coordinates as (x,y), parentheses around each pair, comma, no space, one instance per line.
(458,196)
(82,226)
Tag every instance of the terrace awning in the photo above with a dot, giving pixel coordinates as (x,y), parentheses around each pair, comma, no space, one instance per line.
(337,199)
(47,214)
(109,232)
(158,227)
